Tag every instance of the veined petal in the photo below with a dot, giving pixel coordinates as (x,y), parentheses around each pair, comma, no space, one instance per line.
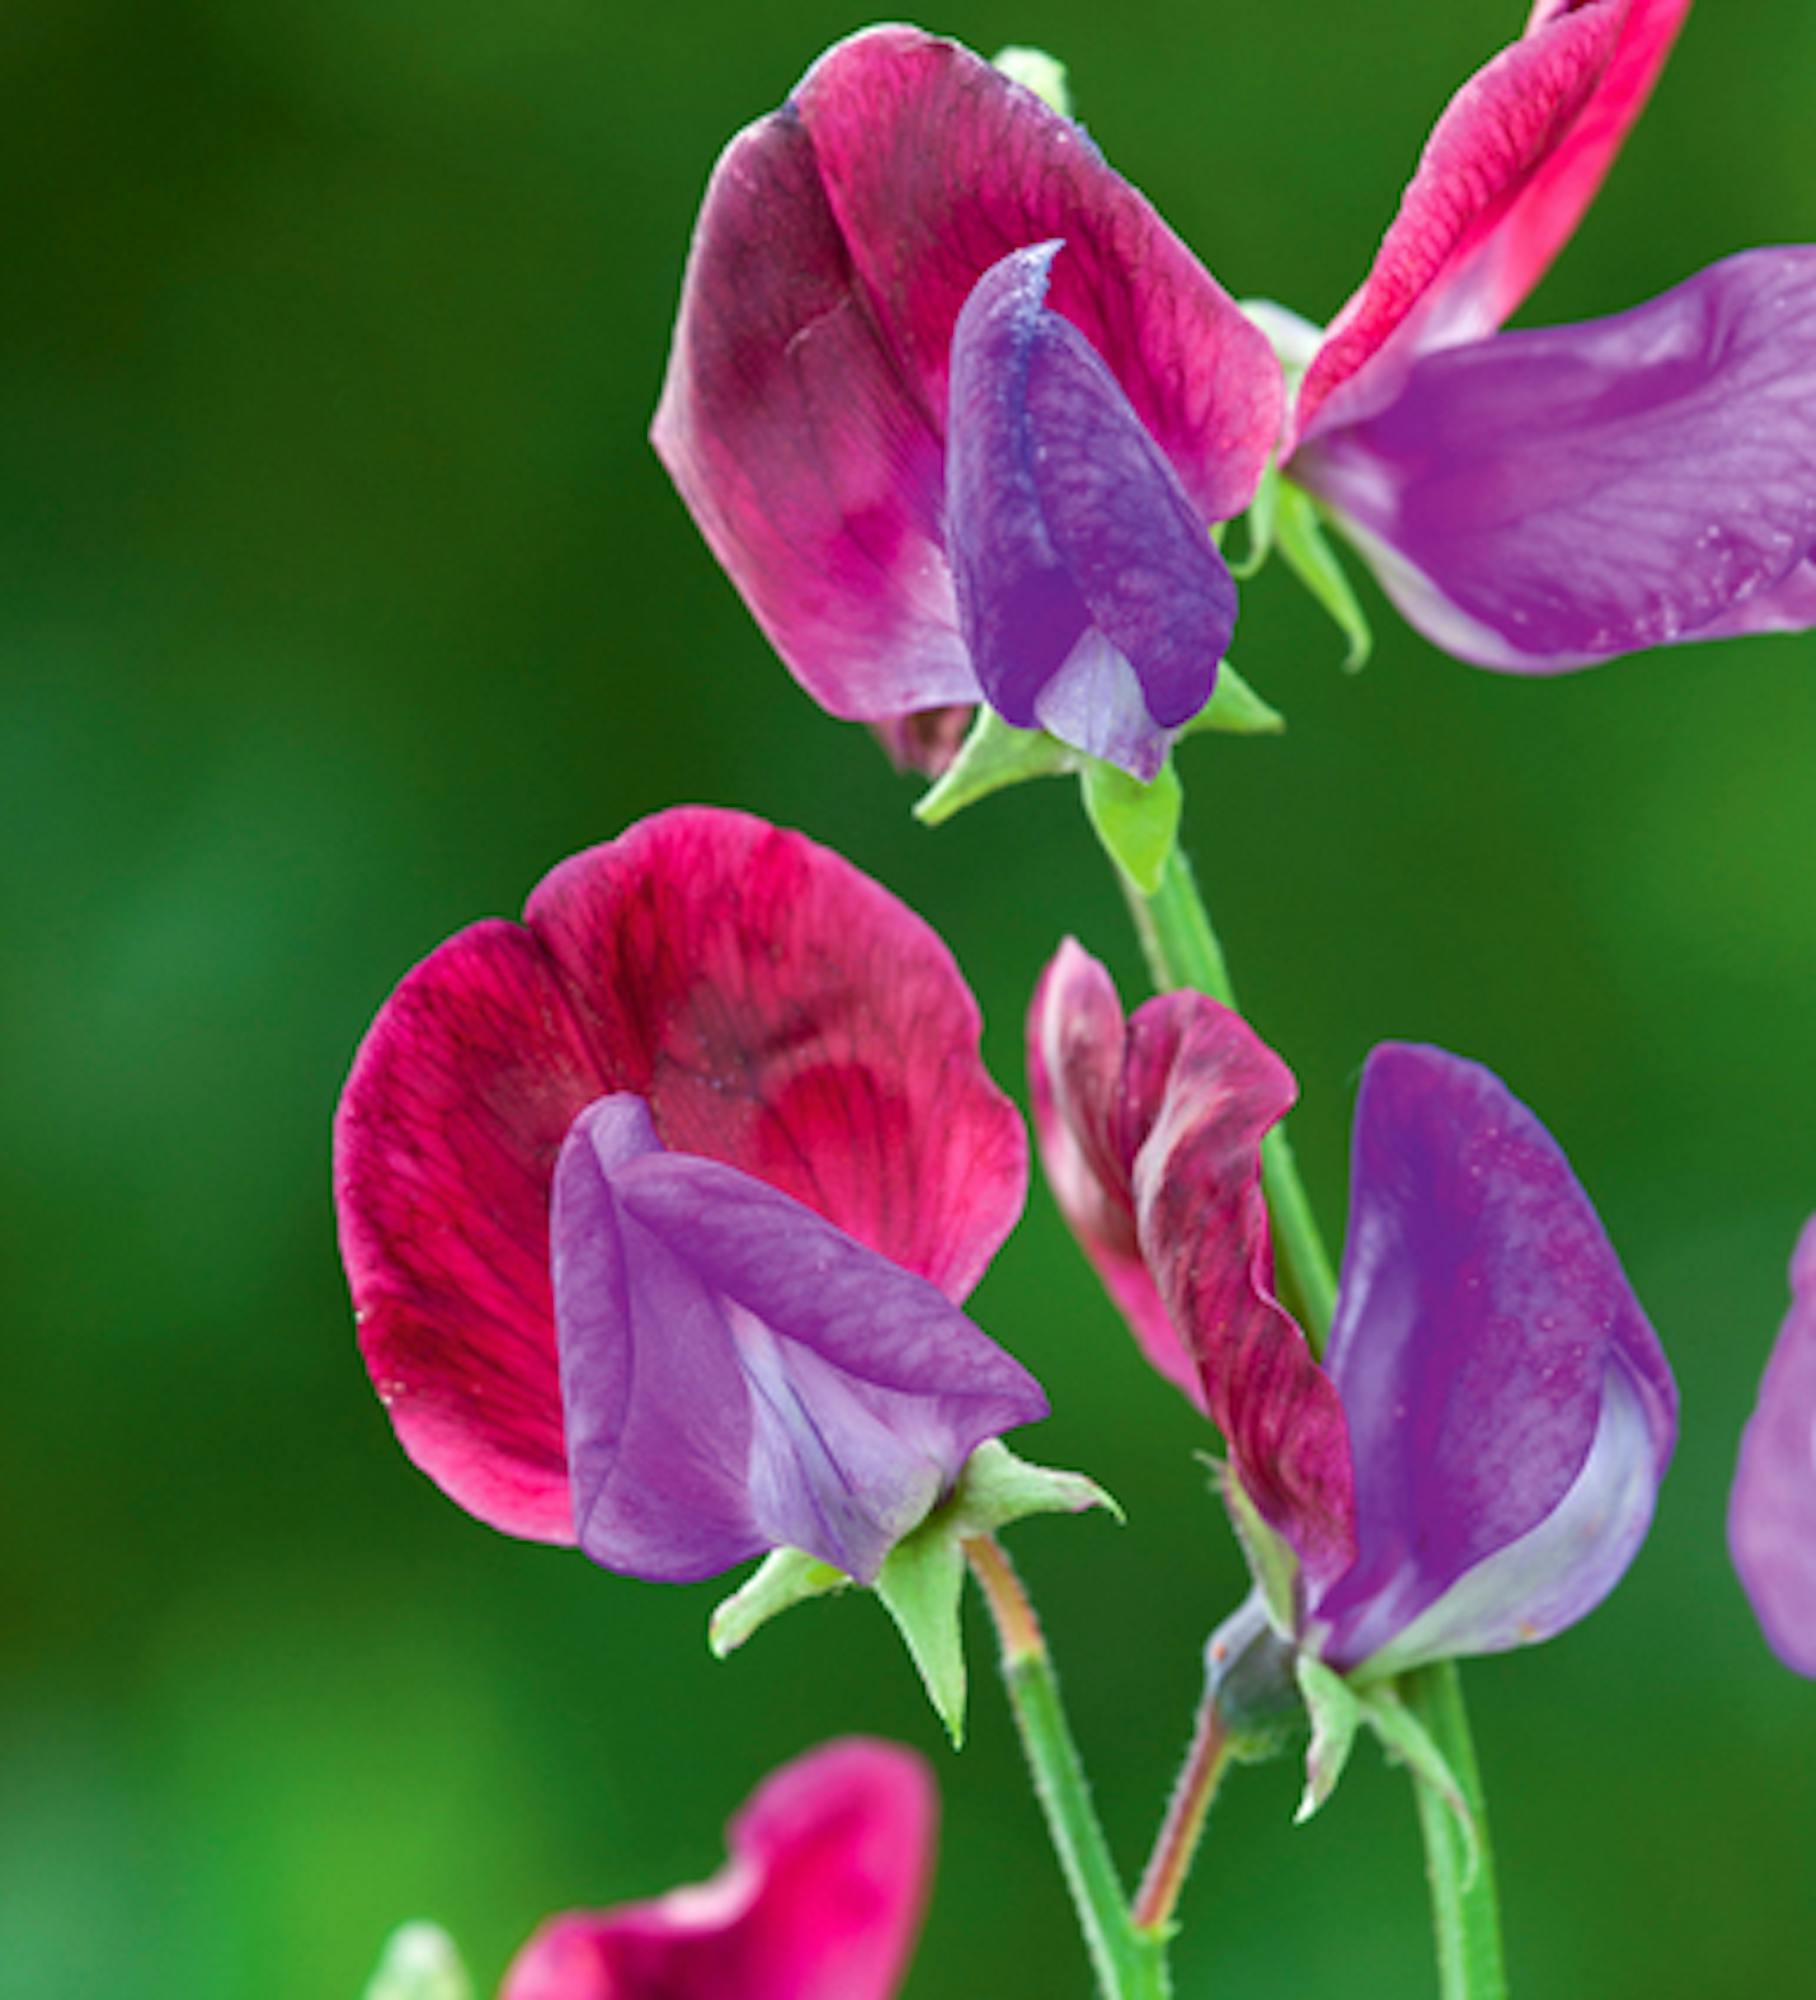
(806,458)
(1075,1062)
(821,1900)
(1502,182)
(1772,1512)
(1068,524)
(1549,499)
(868,1389)
(936,165)
(785,1014)
(444,1146)
(1204,1089)
(1485,1341)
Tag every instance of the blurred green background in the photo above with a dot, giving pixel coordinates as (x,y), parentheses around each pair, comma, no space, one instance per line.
(342,596)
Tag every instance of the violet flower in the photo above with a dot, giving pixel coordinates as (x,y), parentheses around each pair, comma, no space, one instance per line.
(822,1898)
(1547,499)
(1772,1514)
(954,407)
(656,1208)
(1475,1463)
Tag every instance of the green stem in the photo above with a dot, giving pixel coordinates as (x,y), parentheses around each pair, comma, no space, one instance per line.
(1129,1966)
(1182,950)
(1464,1912)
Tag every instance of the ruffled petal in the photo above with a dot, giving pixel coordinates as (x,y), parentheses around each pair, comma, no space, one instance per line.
(1772,1512)
(1502,182)
(444,1147)
(804,455)
(1205,1089)
(1068,526)
(936,165)
(785,1014)
(838,1403)
(823,1896)
(1075,1057)
(1500,1380)
(1549,499)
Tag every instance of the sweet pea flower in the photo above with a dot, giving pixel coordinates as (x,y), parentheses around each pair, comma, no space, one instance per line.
(1548,499)
(1772,1513)
(821,1900)
(656,1208)
(954,408)
(1475,1463)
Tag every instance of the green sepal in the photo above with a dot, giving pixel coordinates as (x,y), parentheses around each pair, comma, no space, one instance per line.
(921,1576)
(1405,1739)
(992,756)
(419,1962)
(1137,824)
(1335,1712)
(1039,72)
(1271,1561)
(1260,520)
(784,1578)
(1235,709)
(1299,534)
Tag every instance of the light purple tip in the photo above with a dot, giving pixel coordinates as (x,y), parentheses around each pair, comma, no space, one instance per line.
(738,1374)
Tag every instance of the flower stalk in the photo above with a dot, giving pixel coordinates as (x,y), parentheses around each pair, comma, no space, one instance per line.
(1465,1912)
(1129,1965)
(1183,1827)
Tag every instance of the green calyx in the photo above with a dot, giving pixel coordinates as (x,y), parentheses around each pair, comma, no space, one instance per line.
(419,1962)
(922,1579)
(1039,72)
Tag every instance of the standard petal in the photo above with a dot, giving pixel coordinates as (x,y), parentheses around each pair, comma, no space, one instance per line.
(1485,1337)
(785,1014)
(1502,182)
(935,165)
(821,1901)
(1075,1058)
(661,1431)
(868,1389)
(444,1146)
(1548,499)
(806,458)
(1772,1512)
(1204,1089)
(1066,521)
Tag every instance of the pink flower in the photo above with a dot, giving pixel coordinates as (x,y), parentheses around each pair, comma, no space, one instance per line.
(830,1859)
(657,1206)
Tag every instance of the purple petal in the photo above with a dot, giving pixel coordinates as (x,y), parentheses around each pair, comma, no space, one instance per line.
(1772,1514)
(1510,1411)
(1089,591)
(739,1375)
(801,450)
(1548,499)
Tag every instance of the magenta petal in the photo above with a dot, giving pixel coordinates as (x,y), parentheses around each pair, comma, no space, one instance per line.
(1092,599)
(1206,1089)
(821,1901)
(1503,180)
(729,1342)
(936,165)
(1548,499)
(443,1150)
(1075,1059)
(785,1014)
(1772,1512)
(1510,1411)
(809,463)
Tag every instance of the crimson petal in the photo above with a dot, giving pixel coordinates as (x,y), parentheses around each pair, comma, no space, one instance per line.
(1092,599)
(1772,1512)
(1548,499)
(1510,1411)
(1503,181)
(829,1867)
